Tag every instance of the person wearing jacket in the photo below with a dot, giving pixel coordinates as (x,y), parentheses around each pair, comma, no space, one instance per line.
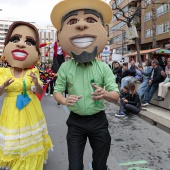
(163,62)
(154,80)
(59,55)
(132,74)
(163,87)
(117,71)
(146,74)
(124,71)
(130,103)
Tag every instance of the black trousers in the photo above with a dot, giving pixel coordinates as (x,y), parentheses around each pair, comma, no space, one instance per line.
(51,87)
(95,128)
(57,61)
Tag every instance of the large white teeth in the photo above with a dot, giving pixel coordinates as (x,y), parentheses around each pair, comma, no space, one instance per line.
(19,54)
(83,42)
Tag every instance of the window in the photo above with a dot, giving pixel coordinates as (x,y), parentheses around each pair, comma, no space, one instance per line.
(163,28)
(148,16)
(148,33)
(117,27)
(143,58)
(132,58)
(162,10)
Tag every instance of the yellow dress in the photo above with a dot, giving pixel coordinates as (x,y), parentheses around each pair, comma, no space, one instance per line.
(24,139)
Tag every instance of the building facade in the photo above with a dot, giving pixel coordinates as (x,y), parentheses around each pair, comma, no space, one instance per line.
(156,14)
(4,26)
(47,34)
(118,40)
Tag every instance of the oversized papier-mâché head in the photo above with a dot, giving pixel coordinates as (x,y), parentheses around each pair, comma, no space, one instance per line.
(21,47)
(82,27)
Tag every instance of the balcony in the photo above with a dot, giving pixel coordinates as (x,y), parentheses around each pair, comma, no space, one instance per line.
(134,1)
(130,42)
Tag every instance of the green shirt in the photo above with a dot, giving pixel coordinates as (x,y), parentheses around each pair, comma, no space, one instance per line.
(77,77)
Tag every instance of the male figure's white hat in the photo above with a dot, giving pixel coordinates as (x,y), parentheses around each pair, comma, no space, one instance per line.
(66,6)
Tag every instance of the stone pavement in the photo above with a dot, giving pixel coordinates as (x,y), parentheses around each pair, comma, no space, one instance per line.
(137,144)
(155,115)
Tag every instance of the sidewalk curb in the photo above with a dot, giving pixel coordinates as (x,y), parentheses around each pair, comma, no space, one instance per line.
(156,120)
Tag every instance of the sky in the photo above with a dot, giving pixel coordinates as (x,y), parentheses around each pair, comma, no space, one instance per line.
(28,10)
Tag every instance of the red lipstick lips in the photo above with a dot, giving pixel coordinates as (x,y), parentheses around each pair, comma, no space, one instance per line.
(19,54)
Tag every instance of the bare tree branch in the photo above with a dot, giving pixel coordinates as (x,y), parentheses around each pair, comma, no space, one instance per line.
(126,19)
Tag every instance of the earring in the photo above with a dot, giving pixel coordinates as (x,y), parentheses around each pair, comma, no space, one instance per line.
(3,58)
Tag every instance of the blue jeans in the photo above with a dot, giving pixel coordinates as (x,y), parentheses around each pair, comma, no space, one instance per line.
(142,88)
(150,90)
(125,81)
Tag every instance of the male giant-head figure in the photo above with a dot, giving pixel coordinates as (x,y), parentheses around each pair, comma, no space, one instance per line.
(82,27)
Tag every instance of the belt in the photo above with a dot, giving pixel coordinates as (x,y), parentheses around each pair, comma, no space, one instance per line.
(87,116)
(16,93)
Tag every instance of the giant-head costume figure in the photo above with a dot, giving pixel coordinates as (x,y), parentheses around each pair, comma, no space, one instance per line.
(82,27)
(22,45)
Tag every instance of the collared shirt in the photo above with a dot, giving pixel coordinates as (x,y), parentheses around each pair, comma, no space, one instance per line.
(77,77)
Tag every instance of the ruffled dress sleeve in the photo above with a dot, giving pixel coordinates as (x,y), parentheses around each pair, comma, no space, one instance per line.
(2,75)
(36,71)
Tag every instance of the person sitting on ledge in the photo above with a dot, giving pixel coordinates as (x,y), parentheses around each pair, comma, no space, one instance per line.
(163,87)
(146,75)
(154,80)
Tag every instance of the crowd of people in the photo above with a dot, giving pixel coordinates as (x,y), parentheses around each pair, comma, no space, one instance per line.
(155,75)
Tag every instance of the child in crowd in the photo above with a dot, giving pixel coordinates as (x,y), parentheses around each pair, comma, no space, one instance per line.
(50,79)
(131,102)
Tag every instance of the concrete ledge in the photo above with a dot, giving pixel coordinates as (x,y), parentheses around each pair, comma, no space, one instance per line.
(164,104)
(156,120)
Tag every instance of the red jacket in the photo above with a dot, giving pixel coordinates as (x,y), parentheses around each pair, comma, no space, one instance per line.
(55,50)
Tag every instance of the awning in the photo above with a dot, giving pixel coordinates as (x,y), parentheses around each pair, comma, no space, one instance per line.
(144,51)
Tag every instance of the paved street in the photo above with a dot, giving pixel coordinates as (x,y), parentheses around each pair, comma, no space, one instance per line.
(136,144)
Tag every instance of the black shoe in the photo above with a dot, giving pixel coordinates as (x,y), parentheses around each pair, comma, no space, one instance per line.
(160,99)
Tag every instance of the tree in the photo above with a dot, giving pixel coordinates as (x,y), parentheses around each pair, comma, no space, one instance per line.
(128,18)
